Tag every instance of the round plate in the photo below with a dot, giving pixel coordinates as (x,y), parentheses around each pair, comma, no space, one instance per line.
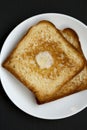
(20,95)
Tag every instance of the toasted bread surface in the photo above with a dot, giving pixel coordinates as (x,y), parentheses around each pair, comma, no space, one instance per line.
(23,63)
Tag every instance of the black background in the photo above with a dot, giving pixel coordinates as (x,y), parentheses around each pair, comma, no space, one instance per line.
(12,12)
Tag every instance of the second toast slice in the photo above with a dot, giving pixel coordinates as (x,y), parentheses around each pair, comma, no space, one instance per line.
(79,82)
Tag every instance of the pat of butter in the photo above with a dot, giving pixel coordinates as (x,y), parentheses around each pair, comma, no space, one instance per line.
(44,60)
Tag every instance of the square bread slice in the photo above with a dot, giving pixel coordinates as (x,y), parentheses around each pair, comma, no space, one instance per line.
(44,61)
(79,82)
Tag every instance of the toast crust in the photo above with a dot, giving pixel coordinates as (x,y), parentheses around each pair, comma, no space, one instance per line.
(43,95)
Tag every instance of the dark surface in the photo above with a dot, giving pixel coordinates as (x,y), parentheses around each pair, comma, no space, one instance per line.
(12,12)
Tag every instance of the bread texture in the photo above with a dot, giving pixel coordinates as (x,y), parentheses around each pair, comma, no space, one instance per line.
(79,82)
(44,61)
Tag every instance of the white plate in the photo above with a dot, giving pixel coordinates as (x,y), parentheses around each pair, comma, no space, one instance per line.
(20,95)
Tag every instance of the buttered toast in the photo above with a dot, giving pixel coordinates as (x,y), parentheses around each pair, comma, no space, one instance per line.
(44,61)
(78,82)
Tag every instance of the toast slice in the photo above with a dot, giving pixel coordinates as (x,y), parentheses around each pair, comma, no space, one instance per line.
(79,82)
(42,59)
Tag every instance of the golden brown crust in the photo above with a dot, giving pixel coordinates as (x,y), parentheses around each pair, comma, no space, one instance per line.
(73,35)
